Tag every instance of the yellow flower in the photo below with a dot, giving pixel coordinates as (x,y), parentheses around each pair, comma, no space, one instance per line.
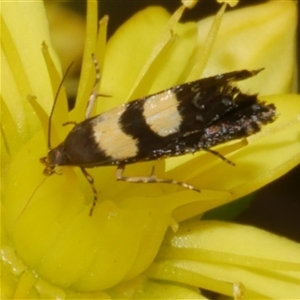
(52,248)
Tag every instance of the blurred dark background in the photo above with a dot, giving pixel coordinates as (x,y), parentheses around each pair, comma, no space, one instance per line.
(276,207)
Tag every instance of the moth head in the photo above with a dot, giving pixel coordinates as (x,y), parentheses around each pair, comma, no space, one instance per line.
(56,157)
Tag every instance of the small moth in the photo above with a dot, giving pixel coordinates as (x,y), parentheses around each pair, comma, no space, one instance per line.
(182,119)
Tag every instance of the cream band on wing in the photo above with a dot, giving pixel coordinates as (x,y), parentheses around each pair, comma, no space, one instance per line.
(161,113)
(110,137)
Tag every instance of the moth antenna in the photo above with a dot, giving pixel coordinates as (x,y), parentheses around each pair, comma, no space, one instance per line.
(54,104)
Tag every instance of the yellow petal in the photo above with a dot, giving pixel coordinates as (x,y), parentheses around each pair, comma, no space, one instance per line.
(42,201)
(145,288)
(220,254)
(22,66)
(167,67)
(232,3)
(122,238)
(260,36)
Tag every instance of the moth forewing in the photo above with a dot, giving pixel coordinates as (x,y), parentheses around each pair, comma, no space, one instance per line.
(183,119)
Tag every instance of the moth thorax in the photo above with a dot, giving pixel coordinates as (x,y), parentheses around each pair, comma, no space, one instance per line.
(57,156)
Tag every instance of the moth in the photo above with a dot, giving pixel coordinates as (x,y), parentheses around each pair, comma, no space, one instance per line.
(183,119)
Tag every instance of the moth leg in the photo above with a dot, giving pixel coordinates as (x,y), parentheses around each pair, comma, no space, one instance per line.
(90,180)
(150,179)
(70,123)
(216,153)
(94,94)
